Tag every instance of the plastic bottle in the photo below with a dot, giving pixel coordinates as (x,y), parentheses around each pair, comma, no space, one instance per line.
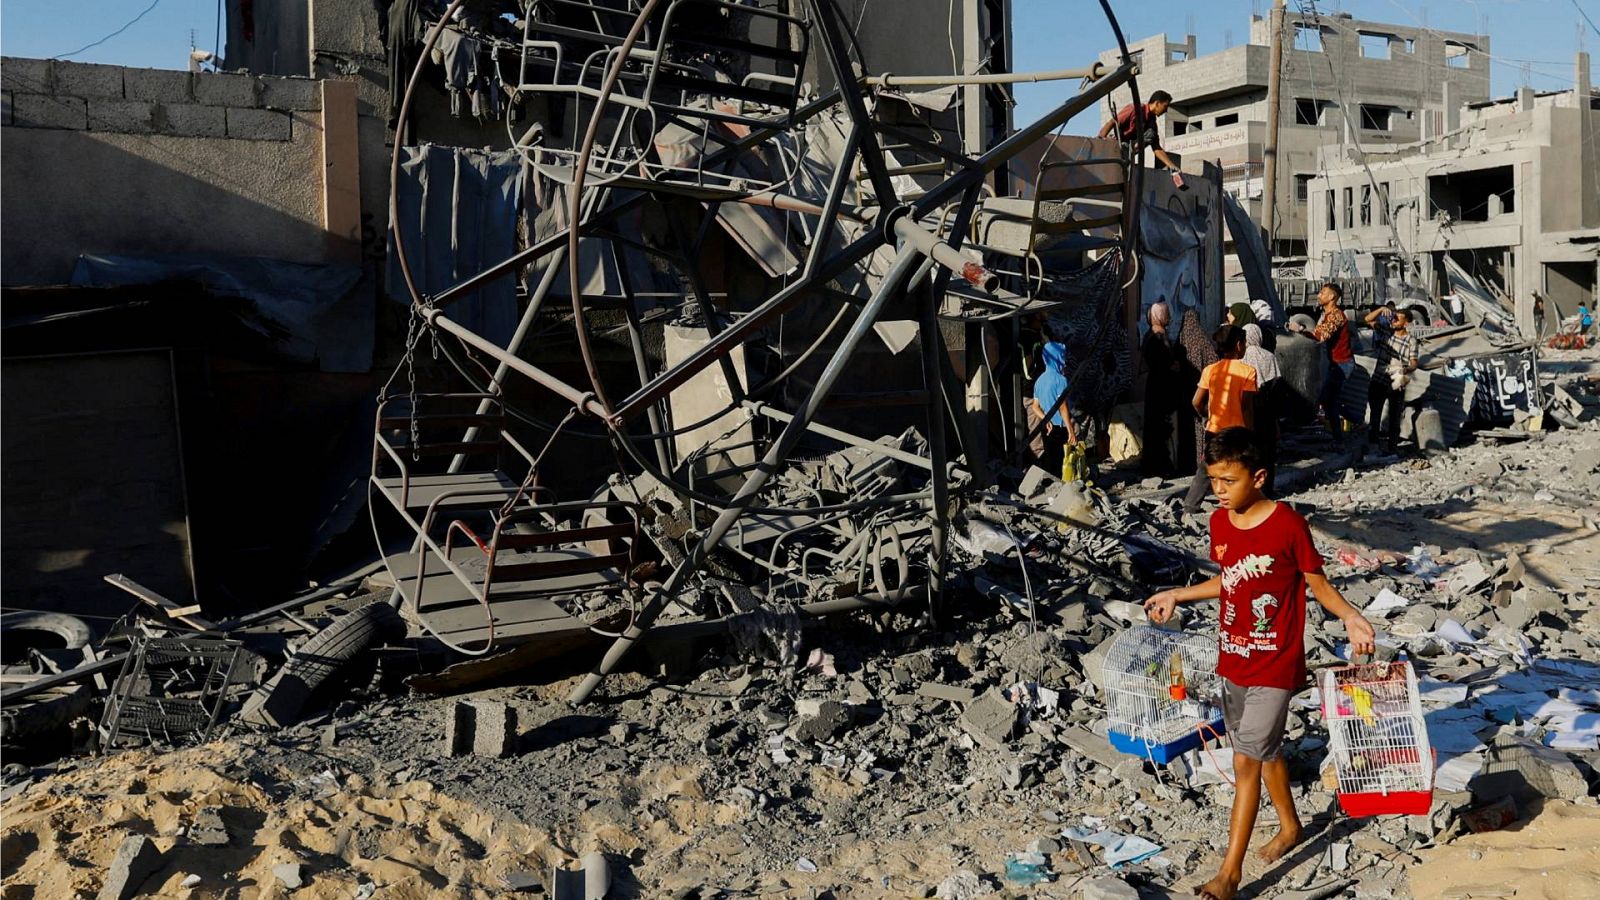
(1177,687)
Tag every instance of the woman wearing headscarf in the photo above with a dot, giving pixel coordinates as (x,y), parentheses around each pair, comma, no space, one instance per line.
(1198,351)
(1268,380)
(1240,315)
(1263,311)
(1160,392)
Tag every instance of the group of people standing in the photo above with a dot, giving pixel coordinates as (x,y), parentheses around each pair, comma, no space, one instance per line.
(1230,378)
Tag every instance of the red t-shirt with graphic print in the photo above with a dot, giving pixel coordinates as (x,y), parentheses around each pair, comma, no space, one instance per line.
(1263,614)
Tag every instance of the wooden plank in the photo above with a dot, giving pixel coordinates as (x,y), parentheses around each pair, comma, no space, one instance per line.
(70,676)
(189,615)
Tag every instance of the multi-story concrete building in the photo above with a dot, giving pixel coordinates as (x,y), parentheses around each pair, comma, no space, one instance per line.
(1343,81)
(1510,189)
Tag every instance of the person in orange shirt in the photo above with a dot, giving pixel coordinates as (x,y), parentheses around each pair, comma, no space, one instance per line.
(1224,399)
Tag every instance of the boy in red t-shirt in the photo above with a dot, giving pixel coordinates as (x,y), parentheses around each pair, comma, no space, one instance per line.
(1268,561)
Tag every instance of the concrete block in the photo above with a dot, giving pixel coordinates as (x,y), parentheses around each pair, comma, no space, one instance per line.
(258,124)
(195,120)
(290,875)
(136,860)
(26,76)
(494,731)
(290,93)
(157,85)
(480,728)
(122,116)
(226,89)
(991,720)
(950,692)
(208,829)
(42,111)
(74,79)
(1109,888)
(818,720)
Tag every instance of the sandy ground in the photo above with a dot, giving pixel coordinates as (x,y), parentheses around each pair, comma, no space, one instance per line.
(1554,855)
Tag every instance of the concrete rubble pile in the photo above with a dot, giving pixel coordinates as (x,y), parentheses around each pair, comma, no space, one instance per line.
(825,736)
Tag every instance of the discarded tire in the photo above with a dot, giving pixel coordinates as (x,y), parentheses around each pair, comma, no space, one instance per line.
(278,702)
(24,631)
(43,713)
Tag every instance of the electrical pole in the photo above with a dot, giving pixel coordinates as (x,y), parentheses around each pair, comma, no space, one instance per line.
(1269,152)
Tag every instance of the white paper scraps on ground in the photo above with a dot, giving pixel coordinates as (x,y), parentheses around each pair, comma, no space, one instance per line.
(1117,849)
(1577,671)
(1386,601)
(1433,690)
(1455,733)
(1528,704)
(1455,633)
(1454,773)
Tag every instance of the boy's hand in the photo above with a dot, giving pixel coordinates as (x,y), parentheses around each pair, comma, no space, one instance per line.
(1363,639)
(1160,607)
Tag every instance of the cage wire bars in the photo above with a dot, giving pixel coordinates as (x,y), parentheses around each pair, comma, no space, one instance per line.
(926,233)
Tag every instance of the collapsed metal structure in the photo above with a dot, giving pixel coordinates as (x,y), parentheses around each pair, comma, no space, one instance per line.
(494,555)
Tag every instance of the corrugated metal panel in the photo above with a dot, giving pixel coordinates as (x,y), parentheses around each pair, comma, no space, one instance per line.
(1452,397)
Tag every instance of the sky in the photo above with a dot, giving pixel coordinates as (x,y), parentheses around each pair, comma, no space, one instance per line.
(1532,41)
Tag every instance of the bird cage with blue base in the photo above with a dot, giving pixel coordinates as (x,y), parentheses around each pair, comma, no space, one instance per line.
(1377,739)
(1163,696)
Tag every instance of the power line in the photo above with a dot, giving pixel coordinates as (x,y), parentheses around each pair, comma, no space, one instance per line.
(131,23)
(1586,17)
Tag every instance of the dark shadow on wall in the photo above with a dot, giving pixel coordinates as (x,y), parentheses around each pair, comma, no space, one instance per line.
(71,192)
(147,431)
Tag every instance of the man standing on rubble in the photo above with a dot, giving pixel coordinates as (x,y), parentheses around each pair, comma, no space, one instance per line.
(1268,561)
(1333,332)
(1132,120)
(1396,360)
(1050,403)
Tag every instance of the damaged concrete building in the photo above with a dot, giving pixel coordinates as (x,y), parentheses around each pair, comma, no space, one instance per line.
(1343,80)
(1507,192)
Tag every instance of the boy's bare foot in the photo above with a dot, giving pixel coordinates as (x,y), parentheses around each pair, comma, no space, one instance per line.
(1221,887)
(1287,837)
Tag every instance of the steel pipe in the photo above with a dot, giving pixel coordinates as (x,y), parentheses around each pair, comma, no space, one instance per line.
(585,402)
(892,284)
(928,243)
(1092,72)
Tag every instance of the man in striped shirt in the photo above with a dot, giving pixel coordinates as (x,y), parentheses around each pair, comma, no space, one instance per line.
(1396,352)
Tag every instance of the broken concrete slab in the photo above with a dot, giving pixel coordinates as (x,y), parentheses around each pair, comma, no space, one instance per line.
(991,720)
(1516,767)
(290,875)
(136,860)
(817,720)
(1109,888)
(1088,744)
(951,692)
(208,829)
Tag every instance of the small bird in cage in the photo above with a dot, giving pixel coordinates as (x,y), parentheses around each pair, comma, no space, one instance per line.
(1360,703)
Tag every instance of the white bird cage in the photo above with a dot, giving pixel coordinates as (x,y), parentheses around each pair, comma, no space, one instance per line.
(1377,739)
(1148,717)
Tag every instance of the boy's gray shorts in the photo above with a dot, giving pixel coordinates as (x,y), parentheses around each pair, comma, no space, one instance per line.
(1255,717)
